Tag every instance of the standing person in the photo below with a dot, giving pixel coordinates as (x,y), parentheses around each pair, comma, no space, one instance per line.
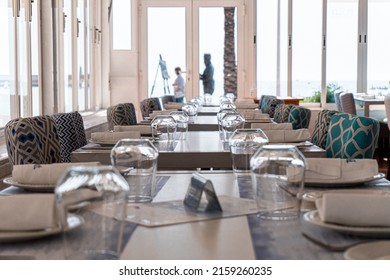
(179,86)
(208,75)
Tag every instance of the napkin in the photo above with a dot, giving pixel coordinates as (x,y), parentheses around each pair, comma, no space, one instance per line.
(288,136)
(173,105)
(143,129)
(27,212)
(272,126)
(43,174)
(354,209)
(113,137)
(339,170)
(254,115)
(246,105)
(158,113)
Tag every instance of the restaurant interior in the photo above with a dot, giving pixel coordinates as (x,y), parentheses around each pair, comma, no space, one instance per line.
(194,130)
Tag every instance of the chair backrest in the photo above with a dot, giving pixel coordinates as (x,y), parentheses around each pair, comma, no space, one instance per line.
(71,133)
(321,126)
(281,112)
(337,100)
(166,99)
(32,140)
(121,114)
(299,116)
(387,109)
(149,105)
(269,104)
(350,136)
(264,100)
(347,103)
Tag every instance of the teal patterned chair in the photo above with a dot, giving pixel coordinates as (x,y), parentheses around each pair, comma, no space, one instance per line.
(350,136)
(321,126)
(282,112)
(263,102)
(299,117)
(32,140)
(121,114)
(149,105)
(269,104)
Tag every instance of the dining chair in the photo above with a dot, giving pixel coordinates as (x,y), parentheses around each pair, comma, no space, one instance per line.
(121,114)
(32,140)
(281,112)
(337,100)
(269,104)
(264,100)
(347,103)
(299,116)
(149,105)
(71,133)
(350,136)
(166,99)
(321,126)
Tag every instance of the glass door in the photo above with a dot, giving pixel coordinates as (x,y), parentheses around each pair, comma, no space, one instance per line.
(179,34)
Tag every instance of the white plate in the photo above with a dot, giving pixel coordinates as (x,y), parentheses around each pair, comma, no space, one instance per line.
(312,217)
(378,250)
(74,221)
(29,187)
(313,196)
(338,184)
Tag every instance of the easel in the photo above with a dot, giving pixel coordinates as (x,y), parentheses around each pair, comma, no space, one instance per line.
(164,72)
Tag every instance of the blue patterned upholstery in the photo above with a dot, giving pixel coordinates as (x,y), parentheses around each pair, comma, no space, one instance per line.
(121,114)
(32,140)
(299,117)
(321,126)
(337,101)
(269,105)
(350,136)
(149,105)
(264,101)
(71,133)
(281,112)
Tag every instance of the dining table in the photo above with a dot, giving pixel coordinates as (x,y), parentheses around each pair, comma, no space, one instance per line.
(240,236)
(200,149)
(366,101)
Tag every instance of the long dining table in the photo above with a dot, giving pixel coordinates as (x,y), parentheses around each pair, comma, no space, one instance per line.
(241,237)
(201,149)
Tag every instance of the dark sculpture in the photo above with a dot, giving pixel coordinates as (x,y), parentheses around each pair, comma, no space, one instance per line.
(208,75)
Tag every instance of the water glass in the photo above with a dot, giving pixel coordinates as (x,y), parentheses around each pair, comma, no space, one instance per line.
(136,160)
(229,123)
(243,144)
(228,104)
(163,128)
(278,173)
(190,109)
(220,116)
(181,119)
(94,197)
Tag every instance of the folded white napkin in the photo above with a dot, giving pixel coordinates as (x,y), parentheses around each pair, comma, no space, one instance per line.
(113,137)
(253,115)
(287,136)
(43,174)
(158,113)
(339,170)
(355,209)
(272,126)
(246,105)
(27,212)
(173,105)
(143,129)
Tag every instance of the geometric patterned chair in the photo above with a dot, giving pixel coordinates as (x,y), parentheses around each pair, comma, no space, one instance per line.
(350,136)
(71,133)
(166,99)
(337,100)
(32,140)
(149,105)
(263,100)
(321,126)
(281,112)
(299,117)
(268,105)
(121,114)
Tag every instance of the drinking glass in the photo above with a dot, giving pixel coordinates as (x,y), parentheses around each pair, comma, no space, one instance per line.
(163,128)
(243,144)
(229,123)
(220,116)
(136,160)
(96,198)
(181,119)
(190,109)
(278,179)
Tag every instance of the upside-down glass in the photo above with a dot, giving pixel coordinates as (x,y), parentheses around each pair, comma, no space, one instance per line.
(96,196)
(181,119)
(220,116)
(190,109)
(229,123)
(243,144)
(136,160)
(278,173)
(164,128)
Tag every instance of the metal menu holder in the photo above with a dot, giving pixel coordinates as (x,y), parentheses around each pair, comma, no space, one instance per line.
(193,197)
